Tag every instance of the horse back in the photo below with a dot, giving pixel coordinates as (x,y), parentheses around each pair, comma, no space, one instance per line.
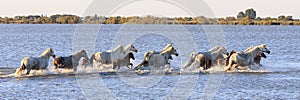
(30,62)
(66,62)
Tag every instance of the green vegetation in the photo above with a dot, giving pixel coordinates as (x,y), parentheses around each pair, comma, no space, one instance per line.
(243,18)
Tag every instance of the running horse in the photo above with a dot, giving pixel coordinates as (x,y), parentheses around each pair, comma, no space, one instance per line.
(36,63)
(71,61)
(245,58)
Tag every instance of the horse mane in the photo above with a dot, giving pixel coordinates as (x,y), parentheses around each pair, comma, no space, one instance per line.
(167,48)
(128,46)
(213,49)
(252,49)
(46,52)
(249,48)
(118,47)
(218,50)
(262,46)
(76,56)
(78,52)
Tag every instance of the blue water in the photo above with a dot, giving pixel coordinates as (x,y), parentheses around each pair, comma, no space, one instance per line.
(279,78)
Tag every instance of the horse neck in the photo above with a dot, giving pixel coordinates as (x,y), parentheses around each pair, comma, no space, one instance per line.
(166,54)
(126,53)
(76,57)
(214,55)
(165,50)
(92,58)
(118,49)
(215,52)
(45,55)
(213,49)
(252,52)
(248,49)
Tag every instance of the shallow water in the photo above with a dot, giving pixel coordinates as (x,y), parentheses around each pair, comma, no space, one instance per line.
(279,78)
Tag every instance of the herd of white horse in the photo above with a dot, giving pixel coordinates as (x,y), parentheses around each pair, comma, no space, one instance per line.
(121,56)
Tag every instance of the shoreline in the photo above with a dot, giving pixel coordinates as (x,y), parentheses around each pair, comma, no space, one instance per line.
(158,24)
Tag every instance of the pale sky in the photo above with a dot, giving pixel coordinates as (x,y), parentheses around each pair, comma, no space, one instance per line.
(220,8)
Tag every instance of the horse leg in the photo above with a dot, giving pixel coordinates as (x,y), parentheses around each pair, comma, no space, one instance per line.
(202,64)
(207,64)
(28,71)
(194,65)
(131,65)
(114,65)
(229,66)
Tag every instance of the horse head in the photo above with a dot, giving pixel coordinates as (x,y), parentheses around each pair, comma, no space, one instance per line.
(49,53)
(173,51)
(169,49)
(130,47)
(222,50)
(84,54)
(264,48)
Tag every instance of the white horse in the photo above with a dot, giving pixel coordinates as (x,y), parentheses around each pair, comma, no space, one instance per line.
(245,58)
(36,63)
(71,61)
(158,59)
(257,59)
(106,57)
(206,59)
(109,57)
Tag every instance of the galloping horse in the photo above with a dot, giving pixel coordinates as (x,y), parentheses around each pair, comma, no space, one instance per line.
(119,53)
(257,59)
(158,59)
(71,61)
(106,57)
(36,63)
(245,58)
(206,59)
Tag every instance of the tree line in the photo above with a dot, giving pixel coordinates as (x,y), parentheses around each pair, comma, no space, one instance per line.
(243,18)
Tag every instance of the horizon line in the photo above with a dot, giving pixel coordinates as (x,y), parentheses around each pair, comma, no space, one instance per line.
(48,15)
